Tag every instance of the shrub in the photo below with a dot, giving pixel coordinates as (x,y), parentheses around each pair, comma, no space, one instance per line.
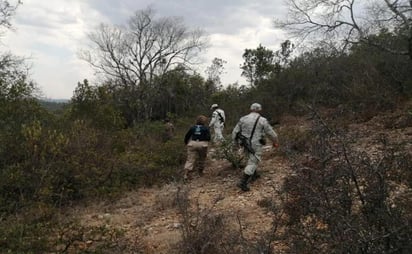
(340,198)
(230,152)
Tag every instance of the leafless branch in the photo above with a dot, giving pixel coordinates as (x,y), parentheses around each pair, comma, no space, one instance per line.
(146,48)
(346,21)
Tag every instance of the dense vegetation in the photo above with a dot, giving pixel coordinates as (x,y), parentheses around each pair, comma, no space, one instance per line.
(107,139)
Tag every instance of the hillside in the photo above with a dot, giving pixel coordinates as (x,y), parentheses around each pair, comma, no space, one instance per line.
(159,219)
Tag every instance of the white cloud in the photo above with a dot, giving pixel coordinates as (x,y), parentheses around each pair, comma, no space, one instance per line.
(52,32)
(230,47)
(49,34)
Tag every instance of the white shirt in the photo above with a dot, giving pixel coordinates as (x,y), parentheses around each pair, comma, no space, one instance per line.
(215,121)
(245,126)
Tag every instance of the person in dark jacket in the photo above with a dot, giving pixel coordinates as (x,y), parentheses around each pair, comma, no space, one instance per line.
(197,140)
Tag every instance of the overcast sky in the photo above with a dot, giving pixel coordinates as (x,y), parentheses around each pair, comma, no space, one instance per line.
(51,33)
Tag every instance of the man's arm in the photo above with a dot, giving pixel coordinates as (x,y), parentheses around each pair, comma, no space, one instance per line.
(188,135)
(235,131)
(271,133)
(208,136)
(222,114)
(213,120)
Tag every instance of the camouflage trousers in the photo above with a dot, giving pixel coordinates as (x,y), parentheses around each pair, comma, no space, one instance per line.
(253,160)
(218,134)
(196,154)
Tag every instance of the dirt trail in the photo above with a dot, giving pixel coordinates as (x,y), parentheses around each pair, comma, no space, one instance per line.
(149,216)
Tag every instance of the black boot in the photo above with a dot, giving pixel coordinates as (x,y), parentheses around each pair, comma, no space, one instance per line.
(243,183)
(255,176)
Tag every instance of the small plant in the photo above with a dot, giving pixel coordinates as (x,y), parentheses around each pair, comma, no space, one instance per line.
(231,152)
(202,232)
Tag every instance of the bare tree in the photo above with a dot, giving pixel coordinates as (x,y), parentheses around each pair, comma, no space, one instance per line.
(14,71)
(135,57)
(146,48)
(14,77)
(351,21)
(214,71)
(7,10)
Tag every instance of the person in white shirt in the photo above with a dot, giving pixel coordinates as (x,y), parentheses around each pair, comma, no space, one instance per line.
(217,122)
(254,128)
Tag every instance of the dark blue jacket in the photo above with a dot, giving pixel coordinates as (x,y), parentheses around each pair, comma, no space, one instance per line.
(198,133)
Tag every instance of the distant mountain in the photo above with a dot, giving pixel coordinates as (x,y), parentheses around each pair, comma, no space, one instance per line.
(55,100)
(53,105)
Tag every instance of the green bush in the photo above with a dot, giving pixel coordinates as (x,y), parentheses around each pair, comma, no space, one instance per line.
(230,152)
(342,200)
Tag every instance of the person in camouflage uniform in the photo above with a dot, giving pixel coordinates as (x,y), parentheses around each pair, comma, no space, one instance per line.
(254,128)
(217,122)
(169,130)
